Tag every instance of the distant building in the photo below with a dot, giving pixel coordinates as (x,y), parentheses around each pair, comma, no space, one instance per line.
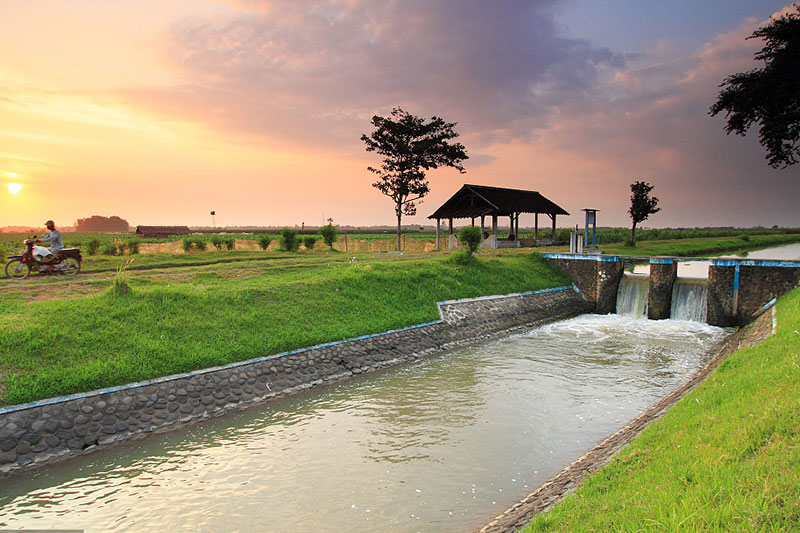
(161,232)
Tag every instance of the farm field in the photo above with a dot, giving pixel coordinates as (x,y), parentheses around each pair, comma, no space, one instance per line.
(191,310)
(703,246)
(741,240)
(725,458)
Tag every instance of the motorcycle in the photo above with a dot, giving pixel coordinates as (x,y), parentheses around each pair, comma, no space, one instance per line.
(66,261)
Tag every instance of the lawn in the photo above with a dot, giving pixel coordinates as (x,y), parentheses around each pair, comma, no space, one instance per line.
(726,457)
(704,246)
(176,320)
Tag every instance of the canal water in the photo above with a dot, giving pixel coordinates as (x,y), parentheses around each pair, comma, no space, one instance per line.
(442,444)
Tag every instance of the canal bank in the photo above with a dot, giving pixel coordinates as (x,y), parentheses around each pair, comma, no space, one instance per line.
(55,429)
(570,478)
(443,443)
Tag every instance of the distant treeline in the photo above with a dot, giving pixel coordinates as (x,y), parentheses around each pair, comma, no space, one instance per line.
(97,223)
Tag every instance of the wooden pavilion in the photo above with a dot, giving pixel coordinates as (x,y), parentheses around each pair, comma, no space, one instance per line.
(473,201)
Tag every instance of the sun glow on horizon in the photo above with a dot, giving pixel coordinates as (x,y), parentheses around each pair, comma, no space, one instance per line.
(14,188)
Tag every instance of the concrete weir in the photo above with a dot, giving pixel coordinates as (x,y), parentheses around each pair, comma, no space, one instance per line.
(738,289)
(51,430)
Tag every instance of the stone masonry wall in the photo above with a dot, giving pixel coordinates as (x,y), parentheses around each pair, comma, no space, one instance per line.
(51,430)
(659,296)
(758,284)
(609,274)
(719,301)
(596,277)
(583,274)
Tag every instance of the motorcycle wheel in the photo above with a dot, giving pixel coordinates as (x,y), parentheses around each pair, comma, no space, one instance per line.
(16,269)
(72,265)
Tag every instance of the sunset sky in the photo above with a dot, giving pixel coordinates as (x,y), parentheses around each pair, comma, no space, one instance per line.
(160,111)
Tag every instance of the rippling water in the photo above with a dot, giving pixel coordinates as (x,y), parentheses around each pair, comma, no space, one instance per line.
(443,444)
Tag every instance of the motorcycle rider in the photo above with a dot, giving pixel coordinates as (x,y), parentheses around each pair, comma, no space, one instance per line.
(55,240)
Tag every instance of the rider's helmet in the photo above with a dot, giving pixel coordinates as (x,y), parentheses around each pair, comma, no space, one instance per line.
(50,225)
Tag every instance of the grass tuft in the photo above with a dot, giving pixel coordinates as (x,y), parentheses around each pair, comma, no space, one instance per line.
(119,285)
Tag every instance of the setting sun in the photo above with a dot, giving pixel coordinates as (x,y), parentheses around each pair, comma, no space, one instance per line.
(14,188)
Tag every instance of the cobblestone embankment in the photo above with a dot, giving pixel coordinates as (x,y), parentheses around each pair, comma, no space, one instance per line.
(51,430)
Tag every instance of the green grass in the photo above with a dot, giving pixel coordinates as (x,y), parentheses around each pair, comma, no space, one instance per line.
(726,457)
(704,246)
(231,312)
(619,235)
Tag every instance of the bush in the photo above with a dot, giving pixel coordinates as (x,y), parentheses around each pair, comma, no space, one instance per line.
(193,243)
(230,243)
(463,258)
(309,242)
(92,246)
(121,247)
(109,249)
(289,240)
(263,241)
(329,234)
(133,246)
(218,242)
(470,237)
(745,237)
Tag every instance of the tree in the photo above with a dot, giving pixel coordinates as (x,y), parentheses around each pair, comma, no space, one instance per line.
(770,95)
(642,206)
(97,223)
(329,233)
(410,147)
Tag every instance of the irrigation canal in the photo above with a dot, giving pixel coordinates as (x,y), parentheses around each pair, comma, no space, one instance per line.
(443,444)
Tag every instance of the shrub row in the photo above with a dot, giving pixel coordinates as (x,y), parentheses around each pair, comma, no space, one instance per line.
(113,248)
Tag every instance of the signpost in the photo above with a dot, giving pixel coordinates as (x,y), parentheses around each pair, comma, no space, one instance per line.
(591,219)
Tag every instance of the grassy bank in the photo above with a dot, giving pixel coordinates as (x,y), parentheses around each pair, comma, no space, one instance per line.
(230,312)
(726,457)
(705,246)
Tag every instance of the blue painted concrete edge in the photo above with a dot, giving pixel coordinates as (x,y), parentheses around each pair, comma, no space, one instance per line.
(155,381)
(583,257)
(755,262)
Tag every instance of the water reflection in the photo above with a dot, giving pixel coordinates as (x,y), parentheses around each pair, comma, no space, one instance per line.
(442,444)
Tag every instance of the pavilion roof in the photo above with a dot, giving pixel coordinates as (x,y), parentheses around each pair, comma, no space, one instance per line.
(478,200)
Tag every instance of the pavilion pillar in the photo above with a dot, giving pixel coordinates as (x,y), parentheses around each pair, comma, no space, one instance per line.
(510,224)
(451,226)
(437,233)
(554,228)
(494,229)
(483,226)
(472,221)
(535,228)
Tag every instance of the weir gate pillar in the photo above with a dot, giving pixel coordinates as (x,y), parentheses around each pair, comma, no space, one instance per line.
(596,277)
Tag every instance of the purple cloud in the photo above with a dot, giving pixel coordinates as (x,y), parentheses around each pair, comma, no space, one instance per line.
(316,72)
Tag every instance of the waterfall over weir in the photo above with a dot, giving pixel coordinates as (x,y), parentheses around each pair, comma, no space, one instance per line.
(632,295)
(688,297)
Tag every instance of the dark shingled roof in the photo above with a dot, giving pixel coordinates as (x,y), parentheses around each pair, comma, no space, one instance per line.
(477,200)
